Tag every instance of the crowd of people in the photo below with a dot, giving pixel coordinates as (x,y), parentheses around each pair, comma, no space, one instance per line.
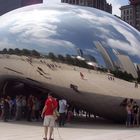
(132,111)
(30,107)
(20,107)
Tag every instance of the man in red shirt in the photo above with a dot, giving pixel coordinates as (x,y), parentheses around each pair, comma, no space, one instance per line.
(47,114)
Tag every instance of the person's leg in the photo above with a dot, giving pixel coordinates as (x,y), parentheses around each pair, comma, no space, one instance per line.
(46,125)
(28,114)
(51,126)
(137,120)
(4,116)
(63,119)
(134,119)
(60,119)
(129,120)
(51,132)
(45,132)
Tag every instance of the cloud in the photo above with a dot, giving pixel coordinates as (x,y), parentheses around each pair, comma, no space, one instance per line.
(132,47)
(4,43)
(38,31)
(48,30)
(115,7)
(129,44)
(116,4)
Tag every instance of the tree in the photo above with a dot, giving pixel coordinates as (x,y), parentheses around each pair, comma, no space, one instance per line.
(52,56)
(26,52)
(69,60)
(10,51)
(35,53)
(4,51)
(17,51)
(123,75)
(61,58)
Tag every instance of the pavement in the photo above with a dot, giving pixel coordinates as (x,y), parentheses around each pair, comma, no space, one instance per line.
(77,130)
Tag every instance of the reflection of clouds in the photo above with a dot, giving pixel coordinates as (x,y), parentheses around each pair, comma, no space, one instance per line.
(30,16)
(35,30)
(133,48)
(67,27)
(27,32)
(103,30)
(94,17)
(63,43)
(123,46)
(91,51)
(37,27)
(54,42)
(100,21)
(33,24)
(6,44)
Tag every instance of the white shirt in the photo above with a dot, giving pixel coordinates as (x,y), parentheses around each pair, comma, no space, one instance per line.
(62,106)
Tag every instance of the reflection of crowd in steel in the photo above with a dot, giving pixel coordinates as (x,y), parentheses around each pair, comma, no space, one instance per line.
(20,108)
(29,108)
(74,87)
(136,84)
(132,110)
(111,77)
(51,66)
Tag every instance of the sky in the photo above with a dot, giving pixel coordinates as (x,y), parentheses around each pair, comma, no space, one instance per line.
(116,4)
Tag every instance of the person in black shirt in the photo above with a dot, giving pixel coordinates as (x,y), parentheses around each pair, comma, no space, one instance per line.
(135,114)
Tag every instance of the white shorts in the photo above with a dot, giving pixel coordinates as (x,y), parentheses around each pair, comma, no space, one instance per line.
(49,120)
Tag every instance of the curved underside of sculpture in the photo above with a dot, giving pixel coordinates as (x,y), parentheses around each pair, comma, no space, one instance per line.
(61,48)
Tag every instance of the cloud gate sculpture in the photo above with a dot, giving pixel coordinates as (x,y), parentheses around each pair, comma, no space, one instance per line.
(71,50)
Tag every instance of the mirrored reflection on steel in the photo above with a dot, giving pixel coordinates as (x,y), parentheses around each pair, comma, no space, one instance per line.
(64,48)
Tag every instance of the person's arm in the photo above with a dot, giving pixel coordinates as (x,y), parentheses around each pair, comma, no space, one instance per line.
(43,111)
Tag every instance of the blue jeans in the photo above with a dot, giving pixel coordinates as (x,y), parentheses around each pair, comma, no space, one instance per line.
(128,122)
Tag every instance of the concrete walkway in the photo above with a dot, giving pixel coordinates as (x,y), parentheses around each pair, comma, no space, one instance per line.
(94,130)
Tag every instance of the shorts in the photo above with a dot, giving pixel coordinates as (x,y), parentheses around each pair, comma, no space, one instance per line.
(49,120)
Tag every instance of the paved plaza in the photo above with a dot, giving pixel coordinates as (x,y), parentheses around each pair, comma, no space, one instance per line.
(93,130)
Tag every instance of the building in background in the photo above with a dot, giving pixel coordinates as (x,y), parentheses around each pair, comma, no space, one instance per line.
(30,2)
(127,65)
(99,4)
(8,5)
(127,14)
(131,13)
(107,59)
(80,52)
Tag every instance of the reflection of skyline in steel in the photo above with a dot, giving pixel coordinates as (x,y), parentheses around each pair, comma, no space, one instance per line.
(62,30)
(47,38)
(127,65)
(105,55)
(79,52)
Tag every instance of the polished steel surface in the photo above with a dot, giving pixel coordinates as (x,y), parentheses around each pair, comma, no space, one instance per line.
(61,48)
